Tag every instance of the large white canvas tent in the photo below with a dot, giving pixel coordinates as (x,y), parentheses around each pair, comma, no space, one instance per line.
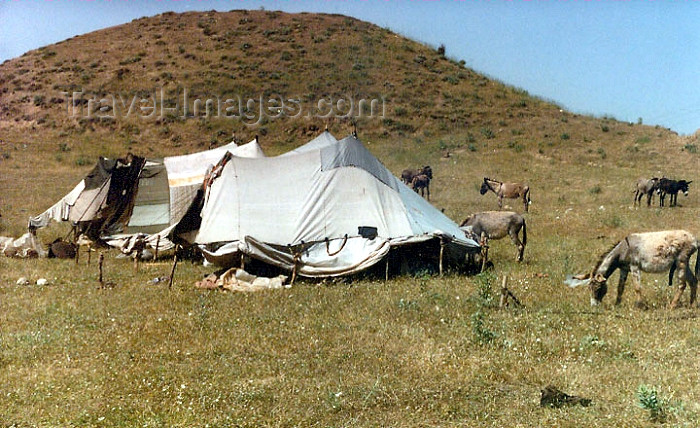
(328,208)
(124,197)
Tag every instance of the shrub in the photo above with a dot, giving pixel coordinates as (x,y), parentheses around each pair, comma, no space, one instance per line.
(82,161)
(441,50)
(649,399)
(691,148)
(488,133)
(515,146)
(565,136)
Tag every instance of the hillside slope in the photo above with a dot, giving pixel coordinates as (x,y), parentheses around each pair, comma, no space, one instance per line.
(133,86)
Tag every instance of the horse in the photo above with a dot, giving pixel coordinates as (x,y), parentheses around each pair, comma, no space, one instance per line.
(498,224)
(422,182)
(407,175)
(652,252)
(645,187)
(506,190)
(672,187)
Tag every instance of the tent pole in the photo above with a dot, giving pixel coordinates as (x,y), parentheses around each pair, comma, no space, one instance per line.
(386,269)
(77,254)
(442,250)
(155,256)
(89,251)
(484,251)
(294,270)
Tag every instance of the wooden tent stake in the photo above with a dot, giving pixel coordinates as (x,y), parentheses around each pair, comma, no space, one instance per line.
(172,271)
(506,294)
(89,251)
(100,262)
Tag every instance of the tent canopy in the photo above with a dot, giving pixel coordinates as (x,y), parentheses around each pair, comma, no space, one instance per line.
(300,208)
(120,198)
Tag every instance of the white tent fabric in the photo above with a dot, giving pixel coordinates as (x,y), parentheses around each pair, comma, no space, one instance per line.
(166,189)
(185,175)
(270,208)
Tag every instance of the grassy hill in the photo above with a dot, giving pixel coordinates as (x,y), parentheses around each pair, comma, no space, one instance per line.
(432,105)
(414,351)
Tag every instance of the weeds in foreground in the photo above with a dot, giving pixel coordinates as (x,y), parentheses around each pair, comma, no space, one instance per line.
(649,399)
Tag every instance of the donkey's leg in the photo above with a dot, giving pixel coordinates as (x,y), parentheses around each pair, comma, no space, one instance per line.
(525,202)
(670,274)
(500,202)
(682,266)
(513,233)
(621,285)
(689,276)
(637,280)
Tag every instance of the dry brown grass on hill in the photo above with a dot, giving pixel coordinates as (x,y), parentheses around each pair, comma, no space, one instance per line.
(432,104)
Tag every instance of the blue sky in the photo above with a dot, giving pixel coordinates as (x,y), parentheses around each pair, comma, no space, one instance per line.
(626,59)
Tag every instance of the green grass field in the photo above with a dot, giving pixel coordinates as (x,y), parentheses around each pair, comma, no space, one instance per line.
(414,351)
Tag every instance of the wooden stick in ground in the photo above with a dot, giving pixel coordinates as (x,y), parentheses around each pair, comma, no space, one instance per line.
(89,251)
(77,253)
(504,292)
(100,261)
(172,271)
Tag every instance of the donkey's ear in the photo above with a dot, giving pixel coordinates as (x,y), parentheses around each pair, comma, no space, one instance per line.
(599,278)
(574,281)
(688,182)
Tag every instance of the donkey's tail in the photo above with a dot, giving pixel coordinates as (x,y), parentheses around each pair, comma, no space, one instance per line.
(697,258)
(525,239)
(529,201)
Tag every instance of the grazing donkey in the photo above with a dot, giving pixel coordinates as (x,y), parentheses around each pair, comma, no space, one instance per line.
(645,187)
(407,175)
(421,182)
(506,190)
(498,224)
(652,252)
(672,187)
